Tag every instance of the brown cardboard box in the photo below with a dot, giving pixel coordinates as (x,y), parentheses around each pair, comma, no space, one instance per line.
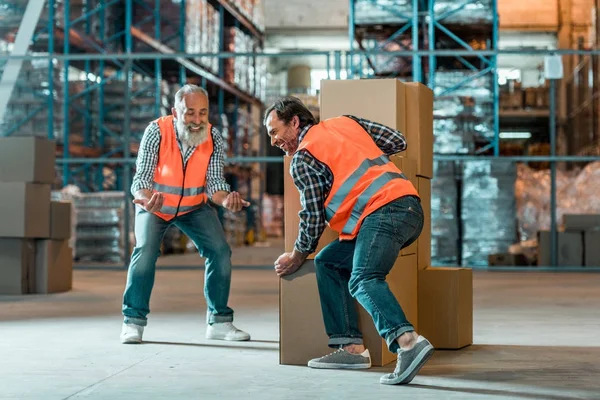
(302,334)
(570,249)
(25,211)
(53,266)
(291,219)
(402,281)
(17,266)
(60,220)
(446,306)
(419,127)
(27,159)
(424,241)
(379,100)
(581,222)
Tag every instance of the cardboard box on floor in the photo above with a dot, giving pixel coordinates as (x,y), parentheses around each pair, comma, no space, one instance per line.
(27,159)
(53,266)
(407,107)
(60,220)
(25,211)
(445,302)
(17,266)
(570,249)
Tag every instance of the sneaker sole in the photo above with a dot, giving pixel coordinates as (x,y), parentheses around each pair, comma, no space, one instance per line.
(413,368)
(227,339)
(131,341)
(338,366)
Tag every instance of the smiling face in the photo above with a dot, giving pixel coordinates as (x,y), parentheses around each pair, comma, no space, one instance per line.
(192,119)
(283,136)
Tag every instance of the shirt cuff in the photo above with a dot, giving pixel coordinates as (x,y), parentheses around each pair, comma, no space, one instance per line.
(139,186)
(220,187)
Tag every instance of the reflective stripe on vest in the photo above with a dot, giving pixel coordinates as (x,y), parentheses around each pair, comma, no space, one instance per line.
(363,199)
(177,190)
(344,190)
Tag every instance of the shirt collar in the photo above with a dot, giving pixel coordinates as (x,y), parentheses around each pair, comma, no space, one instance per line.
(303,132)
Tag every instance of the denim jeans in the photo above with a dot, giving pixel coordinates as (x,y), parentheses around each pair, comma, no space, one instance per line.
(204,229)
(356,269)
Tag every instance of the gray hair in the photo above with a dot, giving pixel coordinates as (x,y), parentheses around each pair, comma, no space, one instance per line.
(185,90)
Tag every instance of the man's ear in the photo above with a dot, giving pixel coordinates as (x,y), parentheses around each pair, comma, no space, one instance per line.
(296,121)
(174,112)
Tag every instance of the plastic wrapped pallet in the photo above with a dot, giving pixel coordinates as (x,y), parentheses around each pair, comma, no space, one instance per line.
(444,218)
(576,194)
(473,12)
(488,209)
(383,11)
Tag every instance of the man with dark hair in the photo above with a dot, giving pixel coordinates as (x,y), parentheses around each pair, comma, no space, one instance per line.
(179,170)
(341,168)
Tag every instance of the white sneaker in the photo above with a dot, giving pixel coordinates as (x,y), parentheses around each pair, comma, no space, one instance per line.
(225,331)
(131,333)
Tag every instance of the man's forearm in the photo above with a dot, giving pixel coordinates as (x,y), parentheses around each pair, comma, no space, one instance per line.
(219,197)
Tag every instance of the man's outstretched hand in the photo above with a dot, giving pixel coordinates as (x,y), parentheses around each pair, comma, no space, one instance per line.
(234,202)
(149,203)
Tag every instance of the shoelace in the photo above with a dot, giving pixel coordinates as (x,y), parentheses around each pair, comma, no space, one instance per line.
(335,352)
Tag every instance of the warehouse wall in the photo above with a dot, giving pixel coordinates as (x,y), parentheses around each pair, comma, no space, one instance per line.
(308,14)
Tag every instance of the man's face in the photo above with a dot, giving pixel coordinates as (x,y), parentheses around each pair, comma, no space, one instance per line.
(192,119)
(283,136)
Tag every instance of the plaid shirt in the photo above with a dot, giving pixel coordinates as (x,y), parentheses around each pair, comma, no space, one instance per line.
(147,160)
(314,180)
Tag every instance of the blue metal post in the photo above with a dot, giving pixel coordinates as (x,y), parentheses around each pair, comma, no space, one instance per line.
(100,129)
(338,64)
(182,16)
(51,70)
(127,129)
(157,62)
(87,130)
(221,99)
(67,27)
(553,232)
(416,61)
(351,23)
(496,28)
(431,32)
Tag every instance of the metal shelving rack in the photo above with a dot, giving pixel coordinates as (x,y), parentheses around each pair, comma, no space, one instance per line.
(99,27)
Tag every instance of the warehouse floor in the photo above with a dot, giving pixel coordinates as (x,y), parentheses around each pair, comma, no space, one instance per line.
(536,337)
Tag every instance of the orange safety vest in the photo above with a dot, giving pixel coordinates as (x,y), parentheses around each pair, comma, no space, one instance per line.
(183,192)
(364,178)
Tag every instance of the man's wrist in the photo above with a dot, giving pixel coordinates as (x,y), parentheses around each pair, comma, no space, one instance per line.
(298,255)
(144,194)
(219,197)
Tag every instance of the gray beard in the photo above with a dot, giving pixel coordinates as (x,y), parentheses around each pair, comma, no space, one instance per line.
(190,138)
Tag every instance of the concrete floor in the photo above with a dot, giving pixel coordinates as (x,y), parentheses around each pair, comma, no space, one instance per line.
(537,337)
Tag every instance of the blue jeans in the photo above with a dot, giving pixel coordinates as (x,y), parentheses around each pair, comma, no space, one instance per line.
(356,269)
(204,229)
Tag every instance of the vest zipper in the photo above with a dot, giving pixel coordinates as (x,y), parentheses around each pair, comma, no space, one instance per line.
(182,184)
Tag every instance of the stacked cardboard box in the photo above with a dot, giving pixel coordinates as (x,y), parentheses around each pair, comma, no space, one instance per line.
(34,252)
(423,292)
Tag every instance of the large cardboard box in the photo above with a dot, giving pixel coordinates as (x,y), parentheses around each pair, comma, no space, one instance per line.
(446,306)
(27,159)
(53,266)
(25,210)
(409,169)
(60,220)
(424,241)
(570,249)
(419,127)
(402,281)
(302,334)
(17,266)
(407,107)
(378,100)
(292,206)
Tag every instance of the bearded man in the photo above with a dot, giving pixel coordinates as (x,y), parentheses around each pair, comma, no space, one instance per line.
(179,172)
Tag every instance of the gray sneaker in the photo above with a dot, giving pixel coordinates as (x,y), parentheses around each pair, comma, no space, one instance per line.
(342,359)
(409,363)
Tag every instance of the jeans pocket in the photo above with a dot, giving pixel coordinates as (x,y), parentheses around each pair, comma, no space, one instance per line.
(407,218)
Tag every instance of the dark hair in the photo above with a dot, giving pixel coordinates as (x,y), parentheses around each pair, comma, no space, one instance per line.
(288,107)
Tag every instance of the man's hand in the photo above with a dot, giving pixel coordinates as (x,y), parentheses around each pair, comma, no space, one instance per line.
(288,263)
(150,203)
(234,202)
